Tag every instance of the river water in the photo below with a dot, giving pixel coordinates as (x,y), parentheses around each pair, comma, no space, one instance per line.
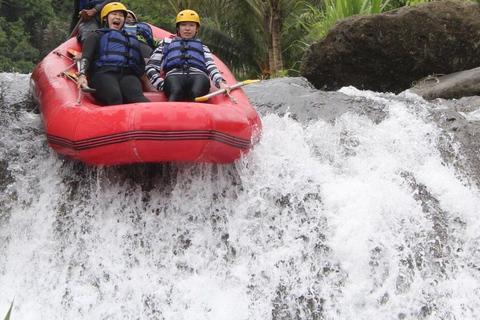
(345,219)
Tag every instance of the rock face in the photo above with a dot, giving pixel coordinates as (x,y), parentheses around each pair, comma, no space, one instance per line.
(452,86)
(387,52)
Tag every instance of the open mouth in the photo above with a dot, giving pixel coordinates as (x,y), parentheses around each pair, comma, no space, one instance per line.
(116,23)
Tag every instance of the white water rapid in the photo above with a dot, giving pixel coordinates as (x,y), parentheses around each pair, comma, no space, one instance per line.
(350,219)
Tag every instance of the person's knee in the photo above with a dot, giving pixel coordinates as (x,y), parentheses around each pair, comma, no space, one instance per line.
(200,89)
(86,28)
(175,93)
(198,92)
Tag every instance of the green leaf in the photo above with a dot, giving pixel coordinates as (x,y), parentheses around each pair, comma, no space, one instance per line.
(9,312)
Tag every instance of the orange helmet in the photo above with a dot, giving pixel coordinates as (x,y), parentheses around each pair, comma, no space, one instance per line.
(133,15)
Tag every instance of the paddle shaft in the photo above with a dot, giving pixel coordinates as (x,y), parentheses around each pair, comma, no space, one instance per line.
(208,96)
(75,30)
(62,55)
(85,88)
(235,86)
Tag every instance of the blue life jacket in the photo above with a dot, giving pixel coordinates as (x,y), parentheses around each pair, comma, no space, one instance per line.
(88,4)
(140,28)
(184,53)
(118,49)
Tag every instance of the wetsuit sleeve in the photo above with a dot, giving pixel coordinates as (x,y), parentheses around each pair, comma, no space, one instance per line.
(154,67)
(212,69)
(88,52)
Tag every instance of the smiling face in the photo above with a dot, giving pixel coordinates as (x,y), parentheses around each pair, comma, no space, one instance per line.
(188,29)
(130,18)
(116,19)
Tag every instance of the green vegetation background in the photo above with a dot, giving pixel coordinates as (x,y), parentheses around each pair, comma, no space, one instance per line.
(238,31)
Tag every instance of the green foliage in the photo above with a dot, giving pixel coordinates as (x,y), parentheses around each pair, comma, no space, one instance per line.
(157,13)
(340,9)
(7,317)
(235,31)
(23,31)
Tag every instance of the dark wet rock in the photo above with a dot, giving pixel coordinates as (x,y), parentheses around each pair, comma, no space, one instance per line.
(452,86)
(388,52)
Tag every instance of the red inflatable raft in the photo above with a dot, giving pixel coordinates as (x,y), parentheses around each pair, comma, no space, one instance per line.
(218,131)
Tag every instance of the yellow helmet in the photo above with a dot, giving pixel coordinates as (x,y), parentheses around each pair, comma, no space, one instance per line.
(113,6)
(188,15)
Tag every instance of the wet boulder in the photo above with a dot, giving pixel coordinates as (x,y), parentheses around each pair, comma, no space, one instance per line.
(388,52)
(452,86)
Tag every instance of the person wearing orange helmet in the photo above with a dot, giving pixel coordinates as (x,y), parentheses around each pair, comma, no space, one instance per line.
(188,64)
(148,42)
(112,60)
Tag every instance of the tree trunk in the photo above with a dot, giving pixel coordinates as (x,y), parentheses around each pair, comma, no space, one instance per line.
(276,34)
(267,18)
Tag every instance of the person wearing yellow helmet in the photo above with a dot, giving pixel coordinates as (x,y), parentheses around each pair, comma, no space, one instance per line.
(188,64)
(88,13)
(188,16)
(112,60)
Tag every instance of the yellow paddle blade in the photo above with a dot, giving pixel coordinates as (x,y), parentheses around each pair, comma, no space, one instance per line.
(72,74)
(245,82)
(201,99)
(73,52)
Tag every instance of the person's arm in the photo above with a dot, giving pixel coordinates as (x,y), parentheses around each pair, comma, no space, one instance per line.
(100,6)
(89,47)
(213,71)
(154,67)
(87,14)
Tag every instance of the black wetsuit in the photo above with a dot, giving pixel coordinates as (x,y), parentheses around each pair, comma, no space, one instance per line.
(88,26)
(180,86)
(114,85)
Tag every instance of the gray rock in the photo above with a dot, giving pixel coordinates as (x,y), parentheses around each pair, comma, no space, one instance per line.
(452,86)
(298,98)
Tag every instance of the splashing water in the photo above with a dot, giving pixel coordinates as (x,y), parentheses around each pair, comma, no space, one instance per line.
(353,219)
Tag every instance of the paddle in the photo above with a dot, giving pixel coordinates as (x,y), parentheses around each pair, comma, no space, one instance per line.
(70,66)
(73,52)
(75,30)
(62,55)
(235,86)
(72,76)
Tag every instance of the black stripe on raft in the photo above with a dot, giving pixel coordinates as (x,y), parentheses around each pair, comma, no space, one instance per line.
(120,137)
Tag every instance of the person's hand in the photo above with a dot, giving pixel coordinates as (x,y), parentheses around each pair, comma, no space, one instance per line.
(88,14)
(77,57)
(225,86)
(82,80)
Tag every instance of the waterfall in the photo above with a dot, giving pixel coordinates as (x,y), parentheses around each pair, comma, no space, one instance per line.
(354,218)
